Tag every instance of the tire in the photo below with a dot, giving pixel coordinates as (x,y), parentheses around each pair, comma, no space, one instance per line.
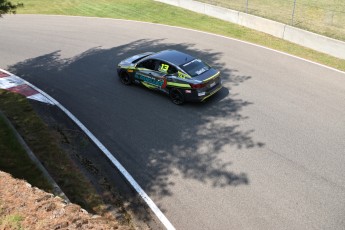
(176,96)
(125,78)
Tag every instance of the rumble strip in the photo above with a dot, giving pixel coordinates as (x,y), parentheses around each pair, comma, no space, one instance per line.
(15,84)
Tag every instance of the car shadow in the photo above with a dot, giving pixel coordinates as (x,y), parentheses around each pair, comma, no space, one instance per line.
(155,140)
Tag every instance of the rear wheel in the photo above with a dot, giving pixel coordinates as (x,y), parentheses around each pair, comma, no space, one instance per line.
(176,96)
(125,78)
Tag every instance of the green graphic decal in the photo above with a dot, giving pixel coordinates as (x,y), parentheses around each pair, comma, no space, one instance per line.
(150,80)
(182,75)
(179,85)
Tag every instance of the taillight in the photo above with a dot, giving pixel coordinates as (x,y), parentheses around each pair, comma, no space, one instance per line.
(198,86)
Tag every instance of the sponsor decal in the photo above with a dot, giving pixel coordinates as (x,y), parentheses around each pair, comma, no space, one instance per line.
(188,63)
(161,83)
(182,75)
(202,70)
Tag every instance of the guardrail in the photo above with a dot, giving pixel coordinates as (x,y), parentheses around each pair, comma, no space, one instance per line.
(305,38)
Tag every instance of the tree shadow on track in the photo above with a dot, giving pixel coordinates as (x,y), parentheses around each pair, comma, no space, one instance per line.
(154,139)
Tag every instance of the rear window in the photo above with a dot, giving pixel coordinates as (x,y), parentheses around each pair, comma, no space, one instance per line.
(195,68)
(136,59)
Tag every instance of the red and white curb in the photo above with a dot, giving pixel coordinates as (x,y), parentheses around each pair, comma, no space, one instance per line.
(15,84)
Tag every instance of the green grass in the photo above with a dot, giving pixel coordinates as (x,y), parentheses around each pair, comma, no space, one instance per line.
(45,146)
(13,222)
(323,16)
(14,160)
(151,11)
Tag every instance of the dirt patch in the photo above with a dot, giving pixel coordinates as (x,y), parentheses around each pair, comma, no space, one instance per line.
(32,208)
(82,171)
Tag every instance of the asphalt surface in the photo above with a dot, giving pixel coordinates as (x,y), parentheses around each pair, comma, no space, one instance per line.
(266,152)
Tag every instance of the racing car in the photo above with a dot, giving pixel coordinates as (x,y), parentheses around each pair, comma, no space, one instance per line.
(177,74)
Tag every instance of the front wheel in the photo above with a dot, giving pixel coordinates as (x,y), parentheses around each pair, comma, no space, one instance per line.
(176,96)
(125,78)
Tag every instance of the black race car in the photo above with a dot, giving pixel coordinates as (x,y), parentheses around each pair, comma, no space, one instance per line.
(181,76)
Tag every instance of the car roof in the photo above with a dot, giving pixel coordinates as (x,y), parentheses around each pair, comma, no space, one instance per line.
(173,56)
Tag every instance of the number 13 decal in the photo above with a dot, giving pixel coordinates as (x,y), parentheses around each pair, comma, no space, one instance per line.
(164,68)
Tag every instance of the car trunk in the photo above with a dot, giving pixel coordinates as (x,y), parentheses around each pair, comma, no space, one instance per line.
(210,78)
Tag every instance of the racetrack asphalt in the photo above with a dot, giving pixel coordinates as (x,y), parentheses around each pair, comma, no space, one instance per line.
(266,152)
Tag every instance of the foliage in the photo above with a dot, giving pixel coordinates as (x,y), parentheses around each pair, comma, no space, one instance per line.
(7,7)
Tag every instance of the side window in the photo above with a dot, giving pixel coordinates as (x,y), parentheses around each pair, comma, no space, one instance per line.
(166,68)
(148,64)
(172,70)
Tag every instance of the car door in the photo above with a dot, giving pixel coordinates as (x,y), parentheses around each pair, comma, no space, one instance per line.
(168,69)
(147,74)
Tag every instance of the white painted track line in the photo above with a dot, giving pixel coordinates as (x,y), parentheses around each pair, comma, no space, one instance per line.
(115,162)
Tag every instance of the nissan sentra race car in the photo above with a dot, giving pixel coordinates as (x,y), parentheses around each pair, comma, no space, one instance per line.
(179,75)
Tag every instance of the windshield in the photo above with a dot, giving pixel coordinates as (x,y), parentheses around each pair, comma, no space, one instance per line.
(195,68)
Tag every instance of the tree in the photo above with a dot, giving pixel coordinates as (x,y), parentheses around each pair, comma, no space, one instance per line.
(6,7)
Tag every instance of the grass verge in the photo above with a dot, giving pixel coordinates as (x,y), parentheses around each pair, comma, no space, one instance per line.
(39,138)
(151,11)
(322,16)
(14,160)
